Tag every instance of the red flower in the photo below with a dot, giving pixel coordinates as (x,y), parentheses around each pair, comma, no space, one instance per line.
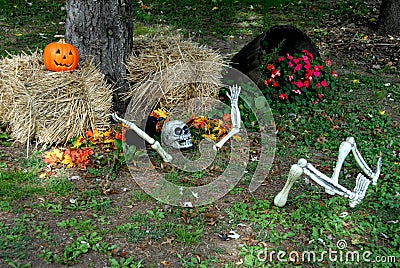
(275,73)
(119,136)
(320,96)
(334,74)
(306,84)
(283,96)
(324,83)
(270,67)
(275,84)
(280,59)
(297,91)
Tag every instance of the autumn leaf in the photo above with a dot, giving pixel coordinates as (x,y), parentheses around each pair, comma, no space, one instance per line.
(199,122)
(211,137)
(226,118)
(53,157)
(108,137)
(237,138)
(78,142)
(219,129)
(159,113)
(67,161)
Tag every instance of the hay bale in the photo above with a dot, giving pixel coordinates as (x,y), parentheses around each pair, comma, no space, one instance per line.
(51,107)
(166,70)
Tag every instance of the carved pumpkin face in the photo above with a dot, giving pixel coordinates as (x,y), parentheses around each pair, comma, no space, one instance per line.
(60,56)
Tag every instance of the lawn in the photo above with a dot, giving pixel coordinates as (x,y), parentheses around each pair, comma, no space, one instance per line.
(100,217)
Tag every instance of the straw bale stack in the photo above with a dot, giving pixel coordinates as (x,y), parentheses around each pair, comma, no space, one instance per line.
(51,107)
(164,71)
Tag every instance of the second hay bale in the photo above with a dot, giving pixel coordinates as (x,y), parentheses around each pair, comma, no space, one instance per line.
(166,70)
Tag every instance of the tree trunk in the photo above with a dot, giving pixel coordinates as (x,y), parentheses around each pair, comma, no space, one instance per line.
(103,30)
(389,17)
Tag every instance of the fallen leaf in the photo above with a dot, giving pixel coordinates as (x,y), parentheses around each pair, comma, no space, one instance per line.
(168,241)
(166,263)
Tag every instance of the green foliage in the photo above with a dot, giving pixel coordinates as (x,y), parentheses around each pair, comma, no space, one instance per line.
(18,185)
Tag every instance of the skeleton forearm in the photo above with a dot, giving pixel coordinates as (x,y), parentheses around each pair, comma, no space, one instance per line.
(135,128)
(235,115)
(154,144)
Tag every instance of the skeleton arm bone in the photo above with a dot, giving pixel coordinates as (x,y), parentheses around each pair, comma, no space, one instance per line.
(154,144)
(235,115)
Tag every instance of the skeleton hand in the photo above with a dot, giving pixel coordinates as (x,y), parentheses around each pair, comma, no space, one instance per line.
(235,112)
(235,115)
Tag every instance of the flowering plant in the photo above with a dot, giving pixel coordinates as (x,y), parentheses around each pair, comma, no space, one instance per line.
(80,154)
(298,78)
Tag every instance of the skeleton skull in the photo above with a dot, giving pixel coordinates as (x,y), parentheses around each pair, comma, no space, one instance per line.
(176,134)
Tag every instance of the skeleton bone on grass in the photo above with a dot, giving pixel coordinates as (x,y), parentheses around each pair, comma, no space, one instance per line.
(332,185)
(176,133)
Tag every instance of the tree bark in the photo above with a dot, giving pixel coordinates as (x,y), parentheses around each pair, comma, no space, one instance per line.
(389,17)
(103,30)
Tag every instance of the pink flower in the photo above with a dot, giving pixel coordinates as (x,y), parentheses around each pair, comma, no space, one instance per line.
(328,62)
(289,57)
(299,84)
(297,68)
(308,54)
(324,83)
(280,59)
(290,64)
(317,85)
(283,96)
(317,74)
(296,61)
(320,96)
(290,78)
(334,74)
